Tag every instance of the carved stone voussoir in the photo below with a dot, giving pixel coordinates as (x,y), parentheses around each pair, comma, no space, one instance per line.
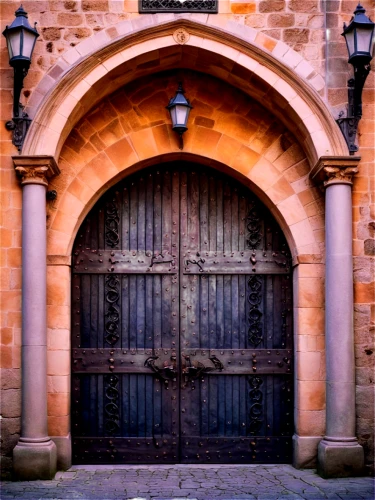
(335,170)
(35,169)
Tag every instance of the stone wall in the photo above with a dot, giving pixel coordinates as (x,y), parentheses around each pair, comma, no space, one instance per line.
(313,29)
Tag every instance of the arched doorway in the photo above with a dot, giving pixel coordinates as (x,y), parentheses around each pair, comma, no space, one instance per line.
(182,339)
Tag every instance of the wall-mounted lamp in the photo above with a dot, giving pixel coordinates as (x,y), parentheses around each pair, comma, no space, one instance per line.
(179,108)
(359,41)
(21,38)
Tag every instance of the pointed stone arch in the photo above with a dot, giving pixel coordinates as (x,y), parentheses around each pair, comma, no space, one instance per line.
(249,60)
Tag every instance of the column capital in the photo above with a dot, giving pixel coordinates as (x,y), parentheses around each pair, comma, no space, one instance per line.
(335,170)
(35,169)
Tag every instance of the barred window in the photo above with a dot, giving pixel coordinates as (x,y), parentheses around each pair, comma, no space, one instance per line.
(152,6)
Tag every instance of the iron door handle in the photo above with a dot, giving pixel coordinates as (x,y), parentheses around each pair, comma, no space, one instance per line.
(167,372)
(195,371)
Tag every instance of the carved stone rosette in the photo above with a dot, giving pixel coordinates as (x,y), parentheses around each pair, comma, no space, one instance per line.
(181,36)
(335,170)
(35,169)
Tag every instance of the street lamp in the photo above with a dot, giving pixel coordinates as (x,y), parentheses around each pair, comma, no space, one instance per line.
(179,107)
(21,38)
(359,42)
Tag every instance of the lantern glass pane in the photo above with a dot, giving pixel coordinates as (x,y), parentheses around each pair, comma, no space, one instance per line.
(14,43)
(181,114)
(363,39)
(28,44)
(173,115)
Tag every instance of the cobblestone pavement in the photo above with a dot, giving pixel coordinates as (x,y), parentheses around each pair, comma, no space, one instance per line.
(182,482)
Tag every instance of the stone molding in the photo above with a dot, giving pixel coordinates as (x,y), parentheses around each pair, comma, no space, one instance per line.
(72,83)
(335,170)
(35,169)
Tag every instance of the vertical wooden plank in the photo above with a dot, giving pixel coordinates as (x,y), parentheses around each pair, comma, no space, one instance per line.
(242,209)
(125,407)
(193,211)
(86,308)
(125,314)
(220,327)
(149,387)
(166,213)
(157,310)
(132,311)
(219,215)
(125,226)
(100,224)
(101,312)
(270,329)
(227,217)
(157,213)
(212,211)
(228,406)
(243,406)
(213,405)
(141,216)
(149,211)
(133,216)
(133,406)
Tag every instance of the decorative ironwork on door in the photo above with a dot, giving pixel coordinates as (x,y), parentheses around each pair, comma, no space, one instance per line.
(182,324)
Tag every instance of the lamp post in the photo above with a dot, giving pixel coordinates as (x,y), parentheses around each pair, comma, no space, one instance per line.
(21,38)
(359,41)
(179,108)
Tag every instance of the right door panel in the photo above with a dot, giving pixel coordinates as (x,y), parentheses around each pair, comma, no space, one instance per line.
(235,326)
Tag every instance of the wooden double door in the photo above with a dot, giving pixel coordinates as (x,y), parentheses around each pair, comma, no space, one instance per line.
(181,324)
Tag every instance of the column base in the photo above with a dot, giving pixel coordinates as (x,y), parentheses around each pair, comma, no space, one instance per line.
(34,459)
(305,451)
(340,459)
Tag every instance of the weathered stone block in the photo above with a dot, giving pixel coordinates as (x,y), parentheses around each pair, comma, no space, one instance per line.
(10,379)
(370,247)
(11,403)
(271,5)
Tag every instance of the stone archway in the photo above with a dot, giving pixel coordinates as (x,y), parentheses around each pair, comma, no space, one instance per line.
(278,173)
(251,145)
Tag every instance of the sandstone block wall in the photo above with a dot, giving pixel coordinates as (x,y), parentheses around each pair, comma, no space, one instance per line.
(313,29)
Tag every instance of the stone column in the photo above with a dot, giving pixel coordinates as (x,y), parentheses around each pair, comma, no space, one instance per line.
(339,453)
(34,457)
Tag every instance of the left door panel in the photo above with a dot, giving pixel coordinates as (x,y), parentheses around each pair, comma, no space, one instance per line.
(125,325)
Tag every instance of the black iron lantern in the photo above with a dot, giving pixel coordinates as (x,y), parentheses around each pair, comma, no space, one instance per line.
(179,108)
(359,35)
(21,38)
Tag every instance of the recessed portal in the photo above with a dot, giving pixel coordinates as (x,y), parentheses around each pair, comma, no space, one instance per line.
(182,339)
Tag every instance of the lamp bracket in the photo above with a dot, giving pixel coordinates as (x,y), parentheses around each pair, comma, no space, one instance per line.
(19,125)
(349,124)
